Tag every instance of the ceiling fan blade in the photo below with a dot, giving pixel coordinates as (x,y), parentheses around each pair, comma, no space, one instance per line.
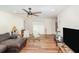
(25,10)
(35,15)
(36,12)
(20,13)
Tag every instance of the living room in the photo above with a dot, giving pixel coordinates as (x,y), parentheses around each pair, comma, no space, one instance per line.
(36,28)
(15,19)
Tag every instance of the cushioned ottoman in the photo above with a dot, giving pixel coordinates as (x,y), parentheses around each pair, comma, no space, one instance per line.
(3,48)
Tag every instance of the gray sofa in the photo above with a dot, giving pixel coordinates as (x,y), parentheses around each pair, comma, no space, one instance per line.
(10,44)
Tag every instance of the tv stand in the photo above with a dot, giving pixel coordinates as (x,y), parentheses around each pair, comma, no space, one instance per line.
(64,48)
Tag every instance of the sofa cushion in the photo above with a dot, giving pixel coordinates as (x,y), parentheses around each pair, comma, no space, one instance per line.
(3,48)
(4,36)
(13,35)
(13,43)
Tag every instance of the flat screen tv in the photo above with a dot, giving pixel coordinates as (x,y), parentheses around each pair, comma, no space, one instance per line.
(71,38)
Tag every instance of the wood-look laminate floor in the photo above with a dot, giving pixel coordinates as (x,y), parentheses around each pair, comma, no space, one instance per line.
(40,45)
(45,44)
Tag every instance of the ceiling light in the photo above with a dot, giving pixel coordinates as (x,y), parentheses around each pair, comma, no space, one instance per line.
(53,10)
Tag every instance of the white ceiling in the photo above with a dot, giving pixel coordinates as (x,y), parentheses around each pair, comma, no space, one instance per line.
(47,10)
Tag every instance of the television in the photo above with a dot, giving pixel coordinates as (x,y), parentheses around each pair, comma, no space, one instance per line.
(71,38)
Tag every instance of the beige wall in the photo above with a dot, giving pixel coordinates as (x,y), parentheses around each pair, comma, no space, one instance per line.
(49,24)
(8,20)
(69,18)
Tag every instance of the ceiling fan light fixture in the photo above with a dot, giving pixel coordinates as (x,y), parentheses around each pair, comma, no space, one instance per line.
(29,8)
(30,13)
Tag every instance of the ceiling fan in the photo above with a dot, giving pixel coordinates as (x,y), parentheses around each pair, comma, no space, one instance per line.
(29,12)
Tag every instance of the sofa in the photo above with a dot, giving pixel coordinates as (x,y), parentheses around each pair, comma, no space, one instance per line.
(10,43)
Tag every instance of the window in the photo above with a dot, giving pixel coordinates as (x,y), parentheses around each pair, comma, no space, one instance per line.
(38,28)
